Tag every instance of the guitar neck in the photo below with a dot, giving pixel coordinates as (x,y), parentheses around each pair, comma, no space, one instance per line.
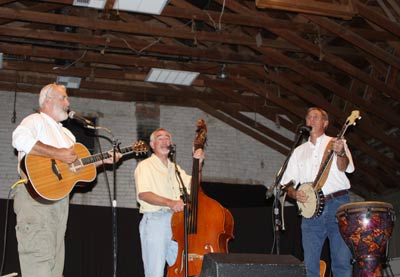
(105,155)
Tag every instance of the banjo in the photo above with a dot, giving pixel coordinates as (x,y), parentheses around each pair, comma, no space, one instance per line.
(316,200)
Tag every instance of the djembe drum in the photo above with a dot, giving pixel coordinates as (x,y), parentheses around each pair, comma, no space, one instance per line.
(366,228)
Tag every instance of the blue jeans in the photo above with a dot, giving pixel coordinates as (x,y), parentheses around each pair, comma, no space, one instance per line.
(314,233)
(157,246)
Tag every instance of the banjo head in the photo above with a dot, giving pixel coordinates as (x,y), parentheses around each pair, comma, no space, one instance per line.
(314,205)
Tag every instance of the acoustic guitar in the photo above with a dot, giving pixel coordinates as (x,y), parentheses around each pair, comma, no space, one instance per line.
(53,180)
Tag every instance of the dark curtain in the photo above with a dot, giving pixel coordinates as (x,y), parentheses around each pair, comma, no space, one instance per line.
(89,237)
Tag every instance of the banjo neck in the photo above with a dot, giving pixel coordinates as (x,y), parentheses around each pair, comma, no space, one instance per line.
(327,159)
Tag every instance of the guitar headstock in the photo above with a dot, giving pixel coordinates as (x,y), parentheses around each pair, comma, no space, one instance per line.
(140,147)
(201,134)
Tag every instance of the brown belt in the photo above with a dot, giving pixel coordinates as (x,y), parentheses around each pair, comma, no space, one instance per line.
(335,194)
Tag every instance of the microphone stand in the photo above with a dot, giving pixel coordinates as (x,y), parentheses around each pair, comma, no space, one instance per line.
(114,210)
(185,198)
(115,145)
(277,205)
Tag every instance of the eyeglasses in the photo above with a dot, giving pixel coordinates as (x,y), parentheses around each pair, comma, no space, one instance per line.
(59,97)
(51,96)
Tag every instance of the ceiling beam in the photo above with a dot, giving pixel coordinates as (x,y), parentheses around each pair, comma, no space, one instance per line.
(355,39)
(378,19)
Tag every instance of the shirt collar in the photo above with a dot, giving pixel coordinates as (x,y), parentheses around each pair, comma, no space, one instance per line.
(50,119)
(319,140)
(156,158)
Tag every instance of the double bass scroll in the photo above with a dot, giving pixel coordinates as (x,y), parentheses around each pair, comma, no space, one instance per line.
(209,225)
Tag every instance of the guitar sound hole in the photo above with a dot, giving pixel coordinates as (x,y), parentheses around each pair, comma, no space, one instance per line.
(76,166)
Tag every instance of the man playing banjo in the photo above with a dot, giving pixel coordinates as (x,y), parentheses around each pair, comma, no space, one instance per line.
(303,167)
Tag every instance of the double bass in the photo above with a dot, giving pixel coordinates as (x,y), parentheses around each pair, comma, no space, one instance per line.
(209,226)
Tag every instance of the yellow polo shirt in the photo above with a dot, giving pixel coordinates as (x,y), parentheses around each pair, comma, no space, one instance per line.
(152,175)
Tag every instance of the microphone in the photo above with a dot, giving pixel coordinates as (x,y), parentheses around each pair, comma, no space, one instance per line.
(305,129)
(172,151)
(85,121)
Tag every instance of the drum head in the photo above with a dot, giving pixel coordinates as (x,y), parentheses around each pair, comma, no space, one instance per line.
(356,207)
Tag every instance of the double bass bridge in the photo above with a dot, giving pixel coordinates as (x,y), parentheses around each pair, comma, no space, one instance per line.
(194,256)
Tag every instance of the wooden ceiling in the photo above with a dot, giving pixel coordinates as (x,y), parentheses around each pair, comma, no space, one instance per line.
(281,56)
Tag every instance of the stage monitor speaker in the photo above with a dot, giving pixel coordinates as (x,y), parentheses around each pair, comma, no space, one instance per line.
(254,265)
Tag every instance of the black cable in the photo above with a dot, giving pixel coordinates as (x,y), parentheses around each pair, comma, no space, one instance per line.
(5,233)
(14,117)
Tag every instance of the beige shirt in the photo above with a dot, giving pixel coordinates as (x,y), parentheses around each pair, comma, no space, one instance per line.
(151,175)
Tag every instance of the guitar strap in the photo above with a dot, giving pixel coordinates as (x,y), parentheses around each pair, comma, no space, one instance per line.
(324,168)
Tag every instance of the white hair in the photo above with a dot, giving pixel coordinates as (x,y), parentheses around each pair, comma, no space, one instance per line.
(152,136)
(46,92)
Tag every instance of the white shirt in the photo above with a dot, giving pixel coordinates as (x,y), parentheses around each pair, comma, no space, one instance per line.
(304,164)
(40,127)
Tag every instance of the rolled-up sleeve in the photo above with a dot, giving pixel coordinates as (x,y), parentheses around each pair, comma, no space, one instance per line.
(350,167)
(24,136)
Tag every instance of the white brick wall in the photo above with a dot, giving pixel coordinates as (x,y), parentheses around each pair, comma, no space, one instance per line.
(231,156)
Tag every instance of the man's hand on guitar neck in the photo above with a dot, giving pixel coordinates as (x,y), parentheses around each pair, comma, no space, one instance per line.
(297,195)
(110,160)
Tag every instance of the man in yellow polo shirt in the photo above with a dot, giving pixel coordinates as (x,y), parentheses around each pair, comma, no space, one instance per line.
(158,193)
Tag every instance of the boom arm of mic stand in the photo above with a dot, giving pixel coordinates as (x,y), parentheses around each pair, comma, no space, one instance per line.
(282,170)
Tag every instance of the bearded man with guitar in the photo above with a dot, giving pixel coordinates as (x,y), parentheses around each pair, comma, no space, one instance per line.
(41,224)
(306,165)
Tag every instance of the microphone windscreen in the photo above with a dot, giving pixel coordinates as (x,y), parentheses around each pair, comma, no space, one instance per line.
(71,114)
(306,129)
